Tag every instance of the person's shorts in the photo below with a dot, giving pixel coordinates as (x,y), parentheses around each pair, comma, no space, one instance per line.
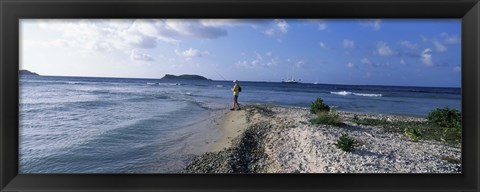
(235,97)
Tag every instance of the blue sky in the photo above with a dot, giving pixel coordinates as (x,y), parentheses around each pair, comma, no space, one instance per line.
(405,52)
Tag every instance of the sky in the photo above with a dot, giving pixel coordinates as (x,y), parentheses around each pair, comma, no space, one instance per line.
(403,52)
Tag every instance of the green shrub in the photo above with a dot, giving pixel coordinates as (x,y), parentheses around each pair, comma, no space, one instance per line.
(318,105)
(453,134)
(417,130)
(449,121)
(370,121)
(328,118)
(444,117)
(345,143)
(412,133)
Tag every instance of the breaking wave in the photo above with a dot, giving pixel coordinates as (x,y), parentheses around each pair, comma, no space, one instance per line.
(357,94)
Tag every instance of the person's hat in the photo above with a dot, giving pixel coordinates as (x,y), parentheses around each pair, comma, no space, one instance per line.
(235,81)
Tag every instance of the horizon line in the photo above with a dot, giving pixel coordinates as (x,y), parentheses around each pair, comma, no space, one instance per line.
(246,81)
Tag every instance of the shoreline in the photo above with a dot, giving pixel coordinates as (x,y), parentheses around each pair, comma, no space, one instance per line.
(265,138)
(231,125)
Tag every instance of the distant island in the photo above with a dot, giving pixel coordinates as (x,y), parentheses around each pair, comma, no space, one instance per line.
(27,72)
(183,77)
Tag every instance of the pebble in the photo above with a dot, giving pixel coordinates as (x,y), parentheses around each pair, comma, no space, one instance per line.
(311,149)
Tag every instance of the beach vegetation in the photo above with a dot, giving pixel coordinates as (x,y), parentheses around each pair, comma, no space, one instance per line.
(369,121)
(328,118)
(453,134)
(449,120)
(412,133)
(442,124)
(345,143)
(319,106)
(394,126)
(445,117)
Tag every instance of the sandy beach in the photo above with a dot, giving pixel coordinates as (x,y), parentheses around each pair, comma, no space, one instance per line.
(275,139)
(231,125)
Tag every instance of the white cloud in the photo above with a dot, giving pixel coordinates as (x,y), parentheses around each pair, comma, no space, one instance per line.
(191,28)
(242,63)
(384,50)
(259,61)
(57,43)
(136,55)
(366,61)
(322,25)
(350,65)
(258,55)
(125,35)
(190,53)
(402,62)
(452,40)
(140,41)
(322,45)
(348,43)
(424,39)
(426,57)
(270,32)
(409,45)
(375,24)
(82,35)
(280,27)
(439,47)
(228,22)
(95,35)
(370,63)
(449,39)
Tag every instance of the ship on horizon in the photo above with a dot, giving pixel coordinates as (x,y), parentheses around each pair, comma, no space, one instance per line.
(290,81)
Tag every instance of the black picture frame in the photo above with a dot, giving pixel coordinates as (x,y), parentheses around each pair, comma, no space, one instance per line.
(13,10)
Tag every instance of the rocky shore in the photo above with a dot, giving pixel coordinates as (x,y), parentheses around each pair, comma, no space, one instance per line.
(282,140)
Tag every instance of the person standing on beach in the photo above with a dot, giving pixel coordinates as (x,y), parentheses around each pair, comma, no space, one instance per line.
(236,91)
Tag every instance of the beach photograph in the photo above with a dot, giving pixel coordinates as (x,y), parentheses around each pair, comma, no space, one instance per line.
(261,96)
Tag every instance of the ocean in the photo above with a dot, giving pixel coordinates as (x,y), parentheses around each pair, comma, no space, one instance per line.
(121,125)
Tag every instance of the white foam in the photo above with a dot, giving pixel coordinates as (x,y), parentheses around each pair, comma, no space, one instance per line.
(368,95)
(341,93)
(344,93)
(170,84)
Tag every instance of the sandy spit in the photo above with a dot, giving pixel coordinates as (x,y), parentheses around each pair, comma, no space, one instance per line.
(275,139)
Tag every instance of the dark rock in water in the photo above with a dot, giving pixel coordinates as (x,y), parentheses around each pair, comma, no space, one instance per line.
(27,72)
(184,77)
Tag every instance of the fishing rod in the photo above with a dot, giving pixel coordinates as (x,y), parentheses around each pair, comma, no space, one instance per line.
(220,75)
